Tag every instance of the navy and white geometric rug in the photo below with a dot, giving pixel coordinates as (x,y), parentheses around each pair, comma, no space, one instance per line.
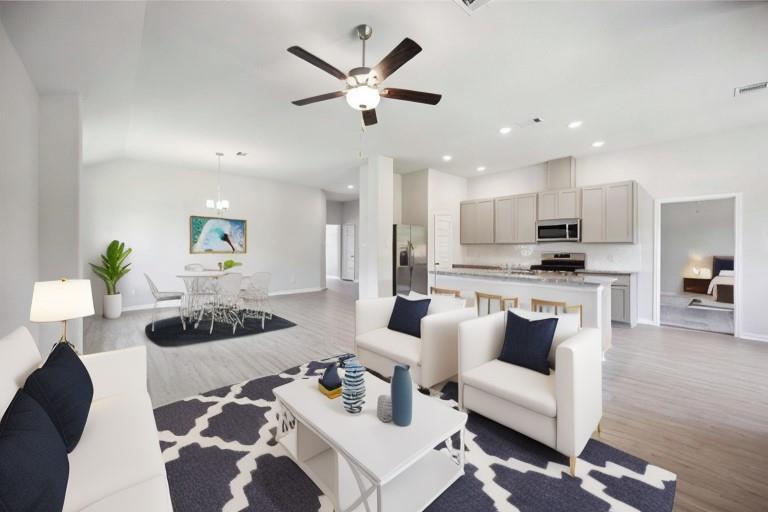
(220,455)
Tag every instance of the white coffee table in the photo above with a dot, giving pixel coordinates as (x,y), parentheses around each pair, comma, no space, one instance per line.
(361,463)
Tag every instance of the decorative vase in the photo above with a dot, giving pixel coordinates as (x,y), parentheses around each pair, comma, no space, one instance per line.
(330,379)
(353,386)
(402,396)
(113,306)
(384,408)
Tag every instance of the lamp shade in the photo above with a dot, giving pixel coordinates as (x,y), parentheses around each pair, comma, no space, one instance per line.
(55,301)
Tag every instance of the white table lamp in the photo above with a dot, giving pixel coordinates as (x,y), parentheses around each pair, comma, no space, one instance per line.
(61,300)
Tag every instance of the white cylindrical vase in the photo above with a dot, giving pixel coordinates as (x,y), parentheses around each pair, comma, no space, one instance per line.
(113,306)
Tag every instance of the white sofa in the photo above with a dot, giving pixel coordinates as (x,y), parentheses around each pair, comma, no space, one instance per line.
(433,358)
(117,465)
(561,410)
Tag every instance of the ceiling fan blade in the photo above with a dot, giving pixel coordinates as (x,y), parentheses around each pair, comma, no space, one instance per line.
(405,51)
(369,117)
(315,99)
(316,61)
(408,95)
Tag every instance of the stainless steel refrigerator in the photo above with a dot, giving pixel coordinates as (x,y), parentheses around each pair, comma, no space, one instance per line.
(409,259)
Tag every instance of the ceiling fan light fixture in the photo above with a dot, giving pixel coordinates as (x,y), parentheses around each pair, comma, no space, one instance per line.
(363,97)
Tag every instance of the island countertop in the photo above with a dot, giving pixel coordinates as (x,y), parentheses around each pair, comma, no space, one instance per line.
(592,293)
(522,276)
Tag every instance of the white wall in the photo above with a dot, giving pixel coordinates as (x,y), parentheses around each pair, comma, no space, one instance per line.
(148,206)
(376,213)
(691,234)
(397,191)
(333,211)
(59,156)
(445,192)
(415,198)
(332,250)
(18,190)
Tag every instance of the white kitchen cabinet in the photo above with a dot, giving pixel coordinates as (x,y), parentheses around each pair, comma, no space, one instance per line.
(548,205)
(560,204)
(525,207)
(476,222)
(467,220)
(484,222)
(624,292)
(608,213)
(620,212)
(593,214)
(506,220)
(515,219)
(619,303)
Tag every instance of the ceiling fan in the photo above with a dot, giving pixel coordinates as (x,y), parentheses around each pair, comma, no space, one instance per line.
(362,90)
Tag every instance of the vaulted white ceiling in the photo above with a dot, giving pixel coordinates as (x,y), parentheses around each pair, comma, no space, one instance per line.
(175,82)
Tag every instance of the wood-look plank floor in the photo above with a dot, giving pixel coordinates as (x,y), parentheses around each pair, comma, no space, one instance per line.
(694,403)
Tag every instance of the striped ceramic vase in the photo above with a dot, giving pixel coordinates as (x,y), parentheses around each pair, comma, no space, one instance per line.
(353,386)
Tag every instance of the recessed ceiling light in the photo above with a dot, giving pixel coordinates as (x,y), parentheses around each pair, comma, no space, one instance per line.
(447,158)
(505,130)
(350,187)
(575,124)
(598,144)
(481,168)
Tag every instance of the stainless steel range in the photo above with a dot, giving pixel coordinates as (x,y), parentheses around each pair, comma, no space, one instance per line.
(560,263)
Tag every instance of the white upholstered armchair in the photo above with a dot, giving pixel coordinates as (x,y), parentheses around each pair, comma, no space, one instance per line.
(560,410)
(433,358)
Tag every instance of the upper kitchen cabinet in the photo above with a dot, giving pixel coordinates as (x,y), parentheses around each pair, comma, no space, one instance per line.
(560,204)
(608,213)
(515,219)
(477,222)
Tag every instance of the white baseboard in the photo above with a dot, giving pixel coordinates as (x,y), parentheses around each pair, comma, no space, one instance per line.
(299,290)
(754,337)
(647,321)
(175,304)
(162,305)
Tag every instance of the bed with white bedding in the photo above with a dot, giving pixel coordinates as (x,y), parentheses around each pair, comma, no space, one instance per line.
(721,286)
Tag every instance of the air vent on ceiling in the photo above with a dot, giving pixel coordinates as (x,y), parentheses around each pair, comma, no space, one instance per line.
(746,89)
(470,6)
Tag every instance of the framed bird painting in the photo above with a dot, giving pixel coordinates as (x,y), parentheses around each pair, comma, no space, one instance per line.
(215,235)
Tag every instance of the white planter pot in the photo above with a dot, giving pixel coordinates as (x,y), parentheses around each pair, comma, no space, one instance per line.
(113,306)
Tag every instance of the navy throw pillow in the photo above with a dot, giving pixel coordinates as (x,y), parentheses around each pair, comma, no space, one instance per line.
(407,314)
(34,467)
(64,389)
(527,342)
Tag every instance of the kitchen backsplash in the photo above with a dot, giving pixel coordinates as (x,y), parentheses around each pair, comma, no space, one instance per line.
(610,257)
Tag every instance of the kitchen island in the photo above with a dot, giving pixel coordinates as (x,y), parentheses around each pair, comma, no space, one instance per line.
(592,292)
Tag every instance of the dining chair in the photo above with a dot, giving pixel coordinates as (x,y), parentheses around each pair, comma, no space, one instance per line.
(444,291)
(491,298)
(227,303)
(255,297)
(557,307)
(165,296)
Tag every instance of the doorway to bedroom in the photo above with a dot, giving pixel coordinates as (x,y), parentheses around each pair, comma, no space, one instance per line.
(696,275)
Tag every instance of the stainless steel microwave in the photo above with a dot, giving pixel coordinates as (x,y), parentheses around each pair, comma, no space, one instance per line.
(559,230)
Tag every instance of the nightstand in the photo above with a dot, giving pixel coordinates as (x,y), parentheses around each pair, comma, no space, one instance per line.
(695,284)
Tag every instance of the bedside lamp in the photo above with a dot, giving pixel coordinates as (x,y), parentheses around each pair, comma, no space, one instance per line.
(61,300)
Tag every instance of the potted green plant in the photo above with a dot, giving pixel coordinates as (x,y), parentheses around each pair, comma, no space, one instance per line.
(111,270)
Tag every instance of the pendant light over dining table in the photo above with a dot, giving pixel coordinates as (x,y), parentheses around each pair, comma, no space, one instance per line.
(218,204)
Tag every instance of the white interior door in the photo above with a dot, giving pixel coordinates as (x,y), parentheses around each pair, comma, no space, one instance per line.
(348,252)
(443,243)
